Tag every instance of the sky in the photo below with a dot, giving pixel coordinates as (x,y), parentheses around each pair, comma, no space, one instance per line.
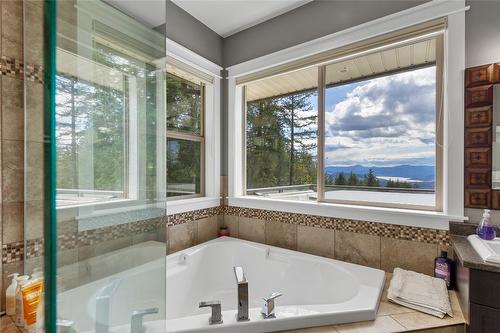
(385,121)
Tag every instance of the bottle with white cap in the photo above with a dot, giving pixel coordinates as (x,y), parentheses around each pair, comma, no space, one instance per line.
(10,296)
(21,280)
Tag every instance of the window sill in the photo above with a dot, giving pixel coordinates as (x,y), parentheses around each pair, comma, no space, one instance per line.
(408,217)
(187,205)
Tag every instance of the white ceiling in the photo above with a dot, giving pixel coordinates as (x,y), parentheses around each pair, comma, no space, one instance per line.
(149,12)
(227,17)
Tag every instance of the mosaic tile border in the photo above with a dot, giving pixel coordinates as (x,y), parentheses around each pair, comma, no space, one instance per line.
(15,68)
(194,215)
(14,252)
(424,235)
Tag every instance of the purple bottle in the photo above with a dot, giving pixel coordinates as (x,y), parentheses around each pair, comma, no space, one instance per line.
(443,268)
(485,229)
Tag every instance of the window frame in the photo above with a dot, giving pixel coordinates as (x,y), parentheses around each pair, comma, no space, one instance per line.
(192,137)
(211,197)
(438,202)
(453,66)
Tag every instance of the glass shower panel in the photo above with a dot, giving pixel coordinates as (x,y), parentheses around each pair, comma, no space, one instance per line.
(110,181)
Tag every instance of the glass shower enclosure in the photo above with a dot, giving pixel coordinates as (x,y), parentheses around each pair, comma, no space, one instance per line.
(95,171)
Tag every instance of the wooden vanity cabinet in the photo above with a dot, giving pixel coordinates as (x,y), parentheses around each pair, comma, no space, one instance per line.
(479,294)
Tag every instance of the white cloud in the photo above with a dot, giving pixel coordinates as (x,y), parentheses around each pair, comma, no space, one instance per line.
(388,120)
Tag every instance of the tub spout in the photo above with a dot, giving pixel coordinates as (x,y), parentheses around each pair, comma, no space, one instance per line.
(103,304)
(242,294)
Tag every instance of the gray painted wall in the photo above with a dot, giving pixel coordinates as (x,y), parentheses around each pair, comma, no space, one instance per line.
(482,33)
(313,20)
(191,33)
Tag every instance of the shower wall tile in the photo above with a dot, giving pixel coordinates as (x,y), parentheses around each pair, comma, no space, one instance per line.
(357,248)
(34,37)
(34,111)
(317,241)
(13,221)
(12,171)
(12,27)
(281,234)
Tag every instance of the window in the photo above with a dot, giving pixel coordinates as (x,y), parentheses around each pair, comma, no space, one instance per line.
(185,136)
(281,136)
(379,118)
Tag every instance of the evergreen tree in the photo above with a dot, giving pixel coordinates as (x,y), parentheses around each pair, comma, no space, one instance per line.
(371,179)
(353,179)
(340,179)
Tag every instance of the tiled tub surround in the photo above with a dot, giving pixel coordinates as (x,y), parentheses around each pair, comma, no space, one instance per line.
(377,245)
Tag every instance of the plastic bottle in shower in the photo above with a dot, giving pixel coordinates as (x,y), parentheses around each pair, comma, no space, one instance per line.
(485,229)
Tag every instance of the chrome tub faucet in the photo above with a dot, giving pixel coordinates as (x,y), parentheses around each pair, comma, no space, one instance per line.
(242,294)
(137,318)
(216,316)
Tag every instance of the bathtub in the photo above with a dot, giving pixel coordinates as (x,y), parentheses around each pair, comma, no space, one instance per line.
(316,291)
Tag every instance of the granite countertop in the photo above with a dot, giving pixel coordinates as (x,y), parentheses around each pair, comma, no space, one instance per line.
(464,251)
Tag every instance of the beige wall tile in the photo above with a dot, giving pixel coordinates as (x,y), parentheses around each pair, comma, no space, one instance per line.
(231,222)
(251,229)
(208,228)
(34,219)
(182,236)
(317,241)
(383,324)
(34,111)
(281,234)
(34,172)
(33,13)
(410,255)
(13,222)
(12,171)
(12,20)
(111,245)
(357,248)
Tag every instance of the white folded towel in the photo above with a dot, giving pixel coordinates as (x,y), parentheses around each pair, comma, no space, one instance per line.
(420,292)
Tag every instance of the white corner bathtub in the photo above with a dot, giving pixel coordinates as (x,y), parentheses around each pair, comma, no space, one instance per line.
(316,291)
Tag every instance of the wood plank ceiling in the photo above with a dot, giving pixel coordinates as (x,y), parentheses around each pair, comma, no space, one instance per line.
(365,66)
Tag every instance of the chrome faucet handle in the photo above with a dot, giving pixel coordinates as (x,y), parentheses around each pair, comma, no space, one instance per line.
(136,319)
(216,316)
(268,305)
(65,326)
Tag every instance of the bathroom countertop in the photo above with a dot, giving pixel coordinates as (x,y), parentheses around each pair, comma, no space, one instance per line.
(466,254)
(395,318)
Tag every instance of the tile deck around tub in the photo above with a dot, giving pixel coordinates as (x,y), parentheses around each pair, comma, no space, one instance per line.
(393,318)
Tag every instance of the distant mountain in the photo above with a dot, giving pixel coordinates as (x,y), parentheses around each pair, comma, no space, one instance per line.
(424,173)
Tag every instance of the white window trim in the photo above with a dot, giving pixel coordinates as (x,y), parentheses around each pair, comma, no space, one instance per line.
(212,131)
(453,127)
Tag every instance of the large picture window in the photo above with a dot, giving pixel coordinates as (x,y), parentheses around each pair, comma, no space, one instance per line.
(185,136)
(362,129)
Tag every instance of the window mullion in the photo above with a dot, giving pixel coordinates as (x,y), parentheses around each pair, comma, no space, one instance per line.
(321,134)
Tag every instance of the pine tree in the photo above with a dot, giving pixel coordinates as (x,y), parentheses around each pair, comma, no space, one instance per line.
(371,179)
(340,179)
(353,179)
(301,126)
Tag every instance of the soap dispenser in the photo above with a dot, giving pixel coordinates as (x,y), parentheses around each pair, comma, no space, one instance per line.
(10,296)
(485,229)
